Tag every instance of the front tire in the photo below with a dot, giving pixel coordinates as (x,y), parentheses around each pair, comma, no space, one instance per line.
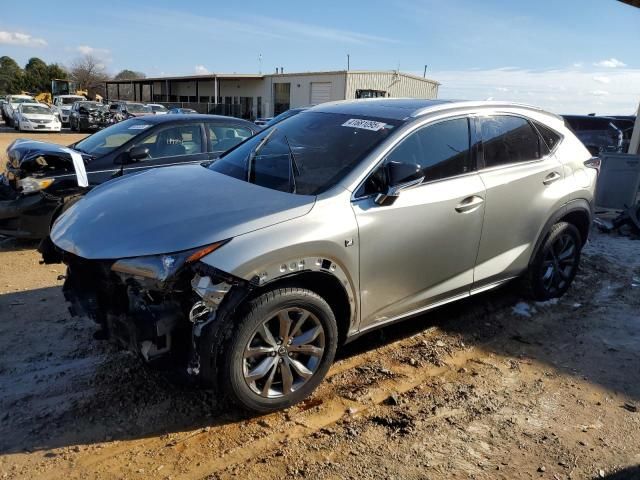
(280,350)
(555,265)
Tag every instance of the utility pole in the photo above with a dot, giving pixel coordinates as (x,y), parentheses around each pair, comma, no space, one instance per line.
(260,64)
(424,75)
(348,61)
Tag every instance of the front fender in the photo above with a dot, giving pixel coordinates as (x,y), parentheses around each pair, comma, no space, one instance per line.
(324,240)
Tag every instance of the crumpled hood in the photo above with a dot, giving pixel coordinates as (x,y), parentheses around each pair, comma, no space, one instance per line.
(33,156)
(170,209)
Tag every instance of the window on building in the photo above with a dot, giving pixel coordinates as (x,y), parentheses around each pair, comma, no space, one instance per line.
(204,99)
(281,97)
(259,107)
(370,93)
(508,139)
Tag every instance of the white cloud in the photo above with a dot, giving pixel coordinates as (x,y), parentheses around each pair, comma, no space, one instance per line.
(602,79)
(566,90)
(87,50)
(578,65)
(201,70)
(610,63)
(21,39)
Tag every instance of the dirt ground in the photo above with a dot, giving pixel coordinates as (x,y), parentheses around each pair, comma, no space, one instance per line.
(489,388)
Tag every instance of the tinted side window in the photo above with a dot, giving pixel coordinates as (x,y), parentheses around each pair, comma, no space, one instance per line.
(441,150)
(507,139)
(551,137)
(446,149)
(223,137)
(174,141)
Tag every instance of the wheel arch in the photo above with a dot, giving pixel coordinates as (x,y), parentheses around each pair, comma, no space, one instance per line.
(325,284)
(577,212)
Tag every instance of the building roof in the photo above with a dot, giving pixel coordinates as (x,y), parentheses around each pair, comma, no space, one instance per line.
(258,76)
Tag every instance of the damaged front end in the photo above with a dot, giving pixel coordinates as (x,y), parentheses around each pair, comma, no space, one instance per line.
(38,177)
(157,306)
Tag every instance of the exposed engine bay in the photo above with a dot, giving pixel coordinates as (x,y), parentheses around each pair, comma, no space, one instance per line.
(158,307)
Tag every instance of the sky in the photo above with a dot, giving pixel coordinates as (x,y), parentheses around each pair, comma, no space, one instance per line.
(569,56)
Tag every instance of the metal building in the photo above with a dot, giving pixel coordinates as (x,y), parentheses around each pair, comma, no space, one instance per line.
(253,95)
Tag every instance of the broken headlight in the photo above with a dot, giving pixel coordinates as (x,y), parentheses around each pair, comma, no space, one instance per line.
(162,267)
(30,184)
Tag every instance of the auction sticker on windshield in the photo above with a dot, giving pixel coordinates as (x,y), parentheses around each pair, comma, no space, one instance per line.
(364,124)
(141,126)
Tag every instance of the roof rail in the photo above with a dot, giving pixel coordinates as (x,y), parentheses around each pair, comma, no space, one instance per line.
(481,103)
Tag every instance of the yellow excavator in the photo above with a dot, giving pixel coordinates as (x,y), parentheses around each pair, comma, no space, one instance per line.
(61,87)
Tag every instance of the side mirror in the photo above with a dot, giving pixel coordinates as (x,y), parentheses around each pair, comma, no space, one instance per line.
(400,176)
(134,155)
(139,152)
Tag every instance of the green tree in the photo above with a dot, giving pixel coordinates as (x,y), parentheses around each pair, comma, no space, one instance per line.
(129,75)
(36,74)
(11,76)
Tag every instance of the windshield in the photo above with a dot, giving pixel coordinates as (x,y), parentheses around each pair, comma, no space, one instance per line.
(107,140)
(71,100)
(307,153)
(158,108)
(282,116)
(21,100)
(137,108)
(40,109)
(91,105)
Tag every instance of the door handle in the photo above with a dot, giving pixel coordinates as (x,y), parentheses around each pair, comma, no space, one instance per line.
(552,177)
(469,203)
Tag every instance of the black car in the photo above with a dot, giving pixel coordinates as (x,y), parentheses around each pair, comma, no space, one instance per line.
(601,134)
(43,179)
(86,116)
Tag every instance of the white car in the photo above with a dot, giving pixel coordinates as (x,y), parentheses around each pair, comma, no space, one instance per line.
(62,105)
(36,117)
(9,109)
(158,109)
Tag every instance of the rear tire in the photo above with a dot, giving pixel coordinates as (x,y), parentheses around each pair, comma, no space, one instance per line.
(555,265)
(280,350)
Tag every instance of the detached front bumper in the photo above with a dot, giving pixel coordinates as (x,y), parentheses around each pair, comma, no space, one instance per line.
(25,216)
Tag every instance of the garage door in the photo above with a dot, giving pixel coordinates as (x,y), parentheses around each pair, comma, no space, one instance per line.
(320,92)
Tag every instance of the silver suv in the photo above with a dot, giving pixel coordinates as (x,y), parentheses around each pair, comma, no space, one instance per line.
(250,272)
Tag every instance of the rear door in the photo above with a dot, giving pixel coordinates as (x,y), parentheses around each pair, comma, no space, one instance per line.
(523,183)
(176,144)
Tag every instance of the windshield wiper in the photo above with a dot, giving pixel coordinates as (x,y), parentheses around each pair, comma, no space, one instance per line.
(252,155)
(293,165)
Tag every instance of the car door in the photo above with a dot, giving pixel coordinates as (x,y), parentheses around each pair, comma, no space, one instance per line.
(175,144)
(422,248)
(524,185)
(224,136)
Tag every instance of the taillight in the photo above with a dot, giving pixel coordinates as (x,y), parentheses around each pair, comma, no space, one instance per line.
(594,162)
